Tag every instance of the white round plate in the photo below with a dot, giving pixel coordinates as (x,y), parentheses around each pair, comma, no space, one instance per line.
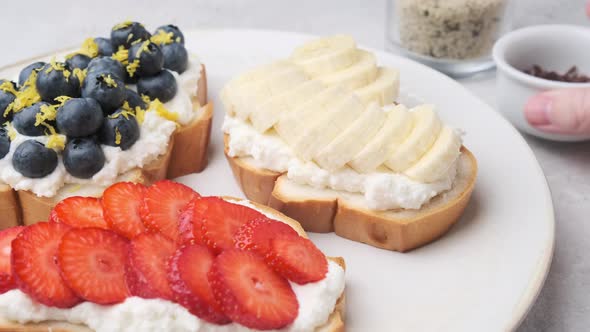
(485,273)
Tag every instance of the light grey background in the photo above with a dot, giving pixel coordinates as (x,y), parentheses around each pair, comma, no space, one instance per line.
(29,28)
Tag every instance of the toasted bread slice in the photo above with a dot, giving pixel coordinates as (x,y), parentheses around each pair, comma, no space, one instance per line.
(186,153)
(325,210)
(335,322)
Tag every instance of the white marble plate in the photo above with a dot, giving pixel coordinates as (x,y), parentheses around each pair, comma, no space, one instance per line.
(485,273)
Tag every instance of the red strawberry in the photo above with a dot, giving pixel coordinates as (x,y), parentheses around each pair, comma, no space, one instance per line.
(162,204)
(297,259)
(251,293)
(79,211)
(146,266)
(191,221)
(121,203)
(92,262)
(34,265)
(6,237)
(222,221)
(256,234)
(187,273)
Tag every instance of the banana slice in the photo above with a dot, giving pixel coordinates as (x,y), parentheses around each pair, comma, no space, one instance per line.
(255,93)
(267,114)
(331,123)
(361,73)
(427,126)
(250,76)
(395,130)
(351,141)
(383,90)
(325,55)
(293,124)
(436,162)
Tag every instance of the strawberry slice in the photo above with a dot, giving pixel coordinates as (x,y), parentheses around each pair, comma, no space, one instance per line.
(92,262)
(256,234)
(78,211)
(34,266)
(6,236)
(187,273)
(162,204)
(223,220)
(146,266)
(297,259)
(121,203)
(251,293)
(191,221)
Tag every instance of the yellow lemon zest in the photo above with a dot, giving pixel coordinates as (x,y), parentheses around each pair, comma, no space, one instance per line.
(56,141)
(74,188)
(8,87)
(162,38)
(58,66)
(10,131)
(80,74)
(121,55)
(89,48)
(132,67)
(144,48)
(129,37)
(123,113)
(117,136)
(122,25)
(178,40)
(157,106)
(47,113)
(146,99)
(27,96)
(139,115)
(109,81)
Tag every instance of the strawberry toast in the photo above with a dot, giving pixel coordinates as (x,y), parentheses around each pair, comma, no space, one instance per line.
(129,108)
(163,258)
(319,137)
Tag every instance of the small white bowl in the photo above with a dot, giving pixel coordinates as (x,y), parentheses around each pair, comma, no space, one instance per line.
(553,47)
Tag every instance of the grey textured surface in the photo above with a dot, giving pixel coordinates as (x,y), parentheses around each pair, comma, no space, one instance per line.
(34,27)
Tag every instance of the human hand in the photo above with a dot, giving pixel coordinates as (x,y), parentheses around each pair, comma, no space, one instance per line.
(565,111)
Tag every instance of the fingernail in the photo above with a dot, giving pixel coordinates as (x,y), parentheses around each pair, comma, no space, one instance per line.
(537,110)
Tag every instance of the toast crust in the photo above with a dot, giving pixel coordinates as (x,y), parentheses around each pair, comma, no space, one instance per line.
(335,322)
(334,213)
(187,153)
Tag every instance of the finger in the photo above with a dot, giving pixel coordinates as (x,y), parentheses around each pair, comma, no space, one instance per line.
(565,111)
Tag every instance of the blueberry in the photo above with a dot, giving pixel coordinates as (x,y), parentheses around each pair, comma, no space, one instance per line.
(105,48)
(4,142)
(24,120)
(106,65)
(33,160)
(147,56)
(78,61)
(6,97)
(52,82)
(176,33)
(119,130)
(26,72)
(124,34)
(175,57)
(83,157)
(134,100)
(109,91)
(161,86)
(79,117)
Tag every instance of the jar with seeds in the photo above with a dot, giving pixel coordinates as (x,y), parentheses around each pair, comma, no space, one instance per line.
(453,36)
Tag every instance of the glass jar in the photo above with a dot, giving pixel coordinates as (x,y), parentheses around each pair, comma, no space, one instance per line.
(452,36)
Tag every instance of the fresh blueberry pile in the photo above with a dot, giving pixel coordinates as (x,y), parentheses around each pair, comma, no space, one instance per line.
(86,99)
